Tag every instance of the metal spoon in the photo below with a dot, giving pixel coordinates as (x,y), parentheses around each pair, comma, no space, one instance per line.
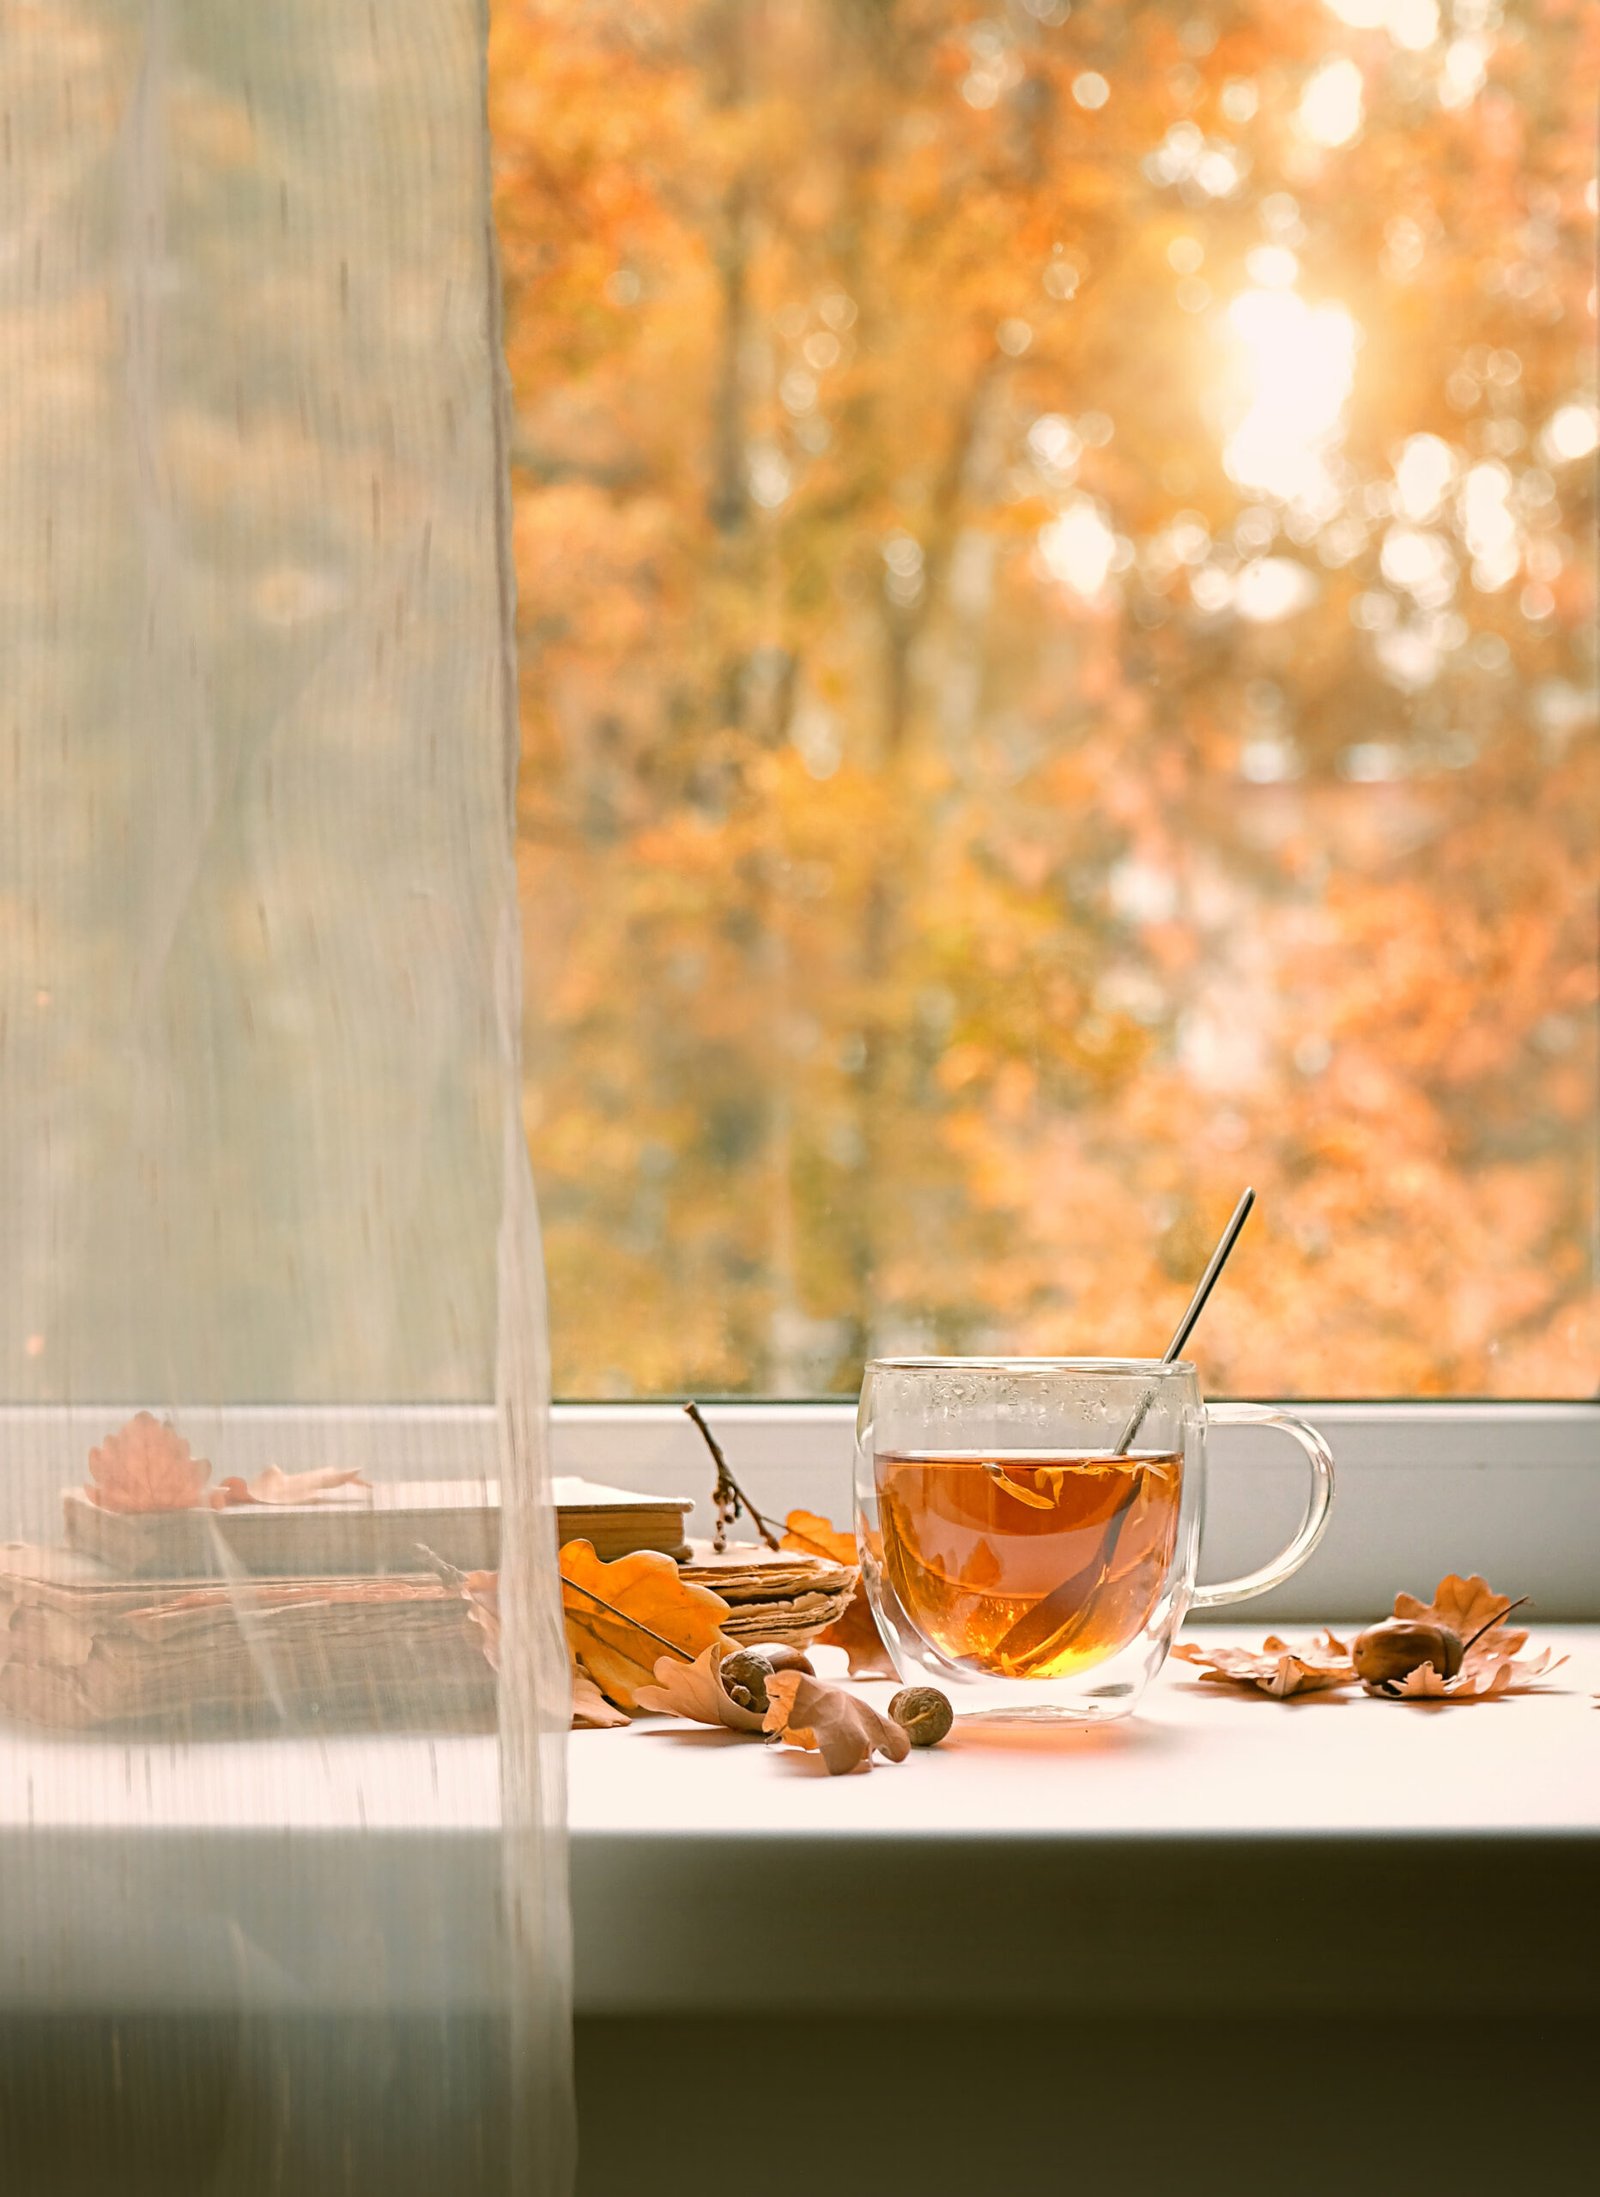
(1196,1305)
(1050,1627)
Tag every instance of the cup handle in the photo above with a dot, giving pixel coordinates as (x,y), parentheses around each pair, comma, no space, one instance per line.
(1312,1526)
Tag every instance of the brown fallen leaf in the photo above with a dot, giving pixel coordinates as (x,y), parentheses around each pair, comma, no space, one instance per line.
(591,1711)
(695,1690)
(856,1629)
(146,1466)
(1466,1606)
(1474,1681)
(812,1535)
(1490,1666)
(1276,1668)
(651,1607)
(274,1485)
(844,1731)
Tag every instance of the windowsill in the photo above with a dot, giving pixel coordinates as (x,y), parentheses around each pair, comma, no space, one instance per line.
(1218,1852)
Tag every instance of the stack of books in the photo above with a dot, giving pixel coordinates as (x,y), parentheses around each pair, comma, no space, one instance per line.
(345,1612)
(333,1614)
(84,1650)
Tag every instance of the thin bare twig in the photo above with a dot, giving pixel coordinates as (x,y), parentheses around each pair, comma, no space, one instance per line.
(729,1498)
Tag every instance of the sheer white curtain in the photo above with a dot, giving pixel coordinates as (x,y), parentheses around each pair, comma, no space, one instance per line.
(262,1171)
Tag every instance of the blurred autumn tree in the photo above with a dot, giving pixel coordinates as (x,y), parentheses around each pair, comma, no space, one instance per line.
(1056,580)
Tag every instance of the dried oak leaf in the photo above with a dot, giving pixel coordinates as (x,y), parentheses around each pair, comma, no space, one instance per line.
(1466,1606)
(811,1535)
(591,1711)
(1276,1668)
(1474,1681)
(274,1485)
(844,1731)
(146,1466)
(855,1629)
(695,1690)
(620,1656)
(1490,1666)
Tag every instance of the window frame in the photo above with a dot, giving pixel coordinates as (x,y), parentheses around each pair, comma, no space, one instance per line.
(1511,1489)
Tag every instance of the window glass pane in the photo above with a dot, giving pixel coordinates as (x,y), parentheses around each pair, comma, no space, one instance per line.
(1057,587)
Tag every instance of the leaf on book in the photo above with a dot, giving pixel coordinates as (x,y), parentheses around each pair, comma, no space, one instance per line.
(274,1485)
(855,1630)
(591,1711)
(846,1732)
(695,1690)
(1276,1668)
(146,1466)
(651,1606)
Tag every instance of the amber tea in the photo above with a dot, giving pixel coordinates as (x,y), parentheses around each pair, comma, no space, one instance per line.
(1028,1565)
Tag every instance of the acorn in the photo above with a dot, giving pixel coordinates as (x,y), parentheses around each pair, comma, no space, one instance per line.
(1386,1653)
(744,1674)
(923,1714)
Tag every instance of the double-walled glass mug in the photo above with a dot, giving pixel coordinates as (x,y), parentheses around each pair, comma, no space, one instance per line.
(1028,1526)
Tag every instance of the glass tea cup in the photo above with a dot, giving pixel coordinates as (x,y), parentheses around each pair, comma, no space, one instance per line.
(1028,1526)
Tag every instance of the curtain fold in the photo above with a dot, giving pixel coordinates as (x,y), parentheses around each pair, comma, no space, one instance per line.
(284,1896)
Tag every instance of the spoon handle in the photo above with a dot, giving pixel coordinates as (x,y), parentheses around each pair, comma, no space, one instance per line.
(1196,1305)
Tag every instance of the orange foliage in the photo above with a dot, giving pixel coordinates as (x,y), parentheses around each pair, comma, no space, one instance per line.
(650,1603)
(856,1631)
(962,820)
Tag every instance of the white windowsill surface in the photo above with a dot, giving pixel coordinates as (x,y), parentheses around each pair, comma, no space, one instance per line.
(1219,1851)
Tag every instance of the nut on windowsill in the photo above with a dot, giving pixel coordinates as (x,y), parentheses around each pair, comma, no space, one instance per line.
(923,1714)
(744,1674)
(1386,1653)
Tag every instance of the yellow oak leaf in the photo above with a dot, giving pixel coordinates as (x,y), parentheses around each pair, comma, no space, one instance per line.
(620,1615)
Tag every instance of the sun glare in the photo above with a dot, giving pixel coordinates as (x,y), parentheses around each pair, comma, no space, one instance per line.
(1331,104)
(1288,380)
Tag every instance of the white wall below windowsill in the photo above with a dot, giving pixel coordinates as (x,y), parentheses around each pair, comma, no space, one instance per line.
(1221,1852)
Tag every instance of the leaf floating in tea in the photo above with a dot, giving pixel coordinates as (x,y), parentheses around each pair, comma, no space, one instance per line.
(1036,1498)
(1028,1566)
